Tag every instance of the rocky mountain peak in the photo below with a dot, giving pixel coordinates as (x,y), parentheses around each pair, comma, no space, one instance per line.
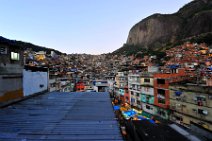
(193,19)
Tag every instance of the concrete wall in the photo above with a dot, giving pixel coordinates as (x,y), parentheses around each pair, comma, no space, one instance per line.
(150,83)
(188,103)
(10,74)
(152,110)
(192,110)
(163,113)
(9,83)
(10,87)
(34,82)
(191,97)
(52,85)
(147,90)
(10,69)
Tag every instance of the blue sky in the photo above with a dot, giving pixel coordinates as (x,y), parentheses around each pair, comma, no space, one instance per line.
(78,26)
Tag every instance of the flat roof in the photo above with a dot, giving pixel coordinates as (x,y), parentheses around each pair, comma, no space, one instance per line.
(61,116)
(156,132)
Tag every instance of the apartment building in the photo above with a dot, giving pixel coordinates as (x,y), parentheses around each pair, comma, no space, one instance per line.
(147,93)
(161,90)
(191,103)
(134,86)
(121,80)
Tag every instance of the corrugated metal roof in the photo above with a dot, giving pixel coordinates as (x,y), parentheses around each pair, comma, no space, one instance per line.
(60,116)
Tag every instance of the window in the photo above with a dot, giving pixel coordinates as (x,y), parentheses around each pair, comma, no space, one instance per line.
(161,96)
(146,89)
(138,102)
(137,94)
(160,100)
(179,118)
(194,110)
(202,112)
(3,50)
(161,81)
(14,56)
(201,98)
(132,100)
(148,107)
(146,80)
(162,113)
(161,91)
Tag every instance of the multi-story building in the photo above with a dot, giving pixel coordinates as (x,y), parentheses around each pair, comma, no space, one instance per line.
(147,93)
(11,76)
(111,81)
(101,85)
(134,86)
(120,83)
(161,90)
(191,104)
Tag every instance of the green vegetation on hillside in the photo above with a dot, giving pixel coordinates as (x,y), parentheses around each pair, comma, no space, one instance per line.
(138,51)
(25,45)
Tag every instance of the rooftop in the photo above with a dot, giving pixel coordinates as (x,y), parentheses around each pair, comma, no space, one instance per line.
(60,116)
(152,132)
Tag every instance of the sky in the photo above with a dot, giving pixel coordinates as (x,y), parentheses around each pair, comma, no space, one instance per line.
(78,26)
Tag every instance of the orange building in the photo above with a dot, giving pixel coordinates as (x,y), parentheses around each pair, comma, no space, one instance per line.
(161,86)
(80,86)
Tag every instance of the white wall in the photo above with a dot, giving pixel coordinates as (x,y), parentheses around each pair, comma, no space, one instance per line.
(153,69)
(95,88)
(33,80)
(147,90)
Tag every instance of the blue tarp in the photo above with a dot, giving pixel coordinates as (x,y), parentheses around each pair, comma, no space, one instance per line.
(210,68)
(130,113)
(173,66)
(178,93)
(116,107)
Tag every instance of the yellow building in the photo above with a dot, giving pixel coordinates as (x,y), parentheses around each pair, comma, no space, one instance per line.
(40,56)
(147,79)
(191,104)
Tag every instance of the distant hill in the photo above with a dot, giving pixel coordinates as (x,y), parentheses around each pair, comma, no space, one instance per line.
(191,23)
(25,45)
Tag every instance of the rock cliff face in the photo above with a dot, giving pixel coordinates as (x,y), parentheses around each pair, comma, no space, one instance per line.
(157,30)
